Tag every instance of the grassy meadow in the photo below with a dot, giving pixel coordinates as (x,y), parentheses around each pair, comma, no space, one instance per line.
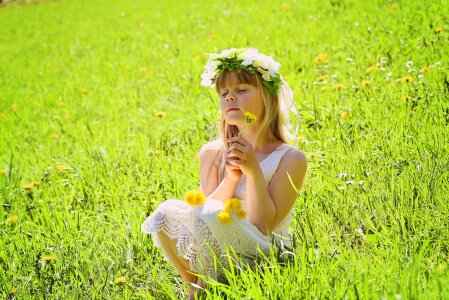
(102,116)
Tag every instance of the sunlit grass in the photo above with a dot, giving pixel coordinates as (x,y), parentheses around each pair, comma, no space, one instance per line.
(102,116)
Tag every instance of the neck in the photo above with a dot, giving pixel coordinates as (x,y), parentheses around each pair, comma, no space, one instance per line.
(261,144)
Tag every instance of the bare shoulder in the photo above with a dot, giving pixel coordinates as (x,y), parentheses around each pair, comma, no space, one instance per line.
(294,164)
(209,150)
(294,158)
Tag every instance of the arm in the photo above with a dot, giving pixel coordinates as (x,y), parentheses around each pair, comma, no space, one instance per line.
(209,175)
(268,206)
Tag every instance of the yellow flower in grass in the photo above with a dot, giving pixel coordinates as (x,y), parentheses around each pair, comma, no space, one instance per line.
(407,98)
(121,280)
(372,69)
(12,219)
(233,204)
(47,258)
(339,86)
(424,70)
(194,197)
(2,116)
(29,186)
(321,78)
(62,167)
(241,214)
(15,107)
(366,82)
(345,114)
(438,29)
(225,217)
(250,117)
(407,79)
(160,114)
(13,290)
(322,59)
(3,171)
(84,91)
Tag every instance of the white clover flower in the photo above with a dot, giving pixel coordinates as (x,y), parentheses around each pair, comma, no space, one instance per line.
(420,76)
(409,64)
(350,182)
(389,74)
(383,60)
(348,59)
(382,69)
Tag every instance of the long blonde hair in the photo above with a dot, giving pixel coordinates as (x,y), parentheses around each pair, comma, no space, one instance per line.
(271,119)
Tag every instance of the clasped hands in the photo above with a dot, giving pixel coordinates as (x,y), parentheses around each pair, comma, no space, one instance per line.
(240,158)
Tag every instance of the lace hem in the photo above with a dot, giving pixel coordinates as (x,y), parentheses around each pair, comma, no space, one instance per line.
(195,242)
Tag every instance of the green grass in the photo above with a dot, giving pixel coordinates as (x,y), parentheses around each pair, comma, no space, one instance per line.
(81,83)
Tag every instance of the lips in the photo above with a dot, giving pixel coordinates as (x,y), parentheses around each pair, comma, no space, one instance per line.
(232,109)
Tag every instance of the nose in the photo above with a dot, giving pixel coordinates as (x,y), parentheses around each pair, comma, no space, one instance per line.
(230,97)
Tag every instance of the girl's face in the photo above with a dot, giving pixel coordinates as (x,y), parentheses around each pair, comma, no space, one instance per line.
(236,98)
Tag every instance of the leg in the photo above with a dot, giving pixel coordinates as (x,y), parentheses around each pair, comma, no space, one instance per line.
(181,265)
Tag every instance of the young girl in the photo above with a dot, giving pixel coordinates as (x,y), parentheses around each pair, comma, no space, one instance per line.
(251,160)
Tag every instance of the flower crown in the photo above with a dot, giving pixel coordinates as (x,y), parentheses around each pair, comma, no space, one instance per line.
(247,59)
(251,61)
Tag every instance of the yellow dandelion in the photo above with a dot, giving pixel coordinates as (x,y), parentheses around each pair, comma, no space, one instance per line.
(3,171)
(250,117)
(54,135)
(141,25)
(84,91)
(407,98)
(285,6)
(224,217)
(61,104)
(301,138)
(372,69)
(438,29)
(15,107)
(29,186)
(213,36)
(197,57)
(407,79)
(121,280)
(392,7)
(287,77)
(160,152)
(345,114)
(241,214)
(321,78)
(12,219)
(61,167)
(2,116)
(424,70)
(160,114)
(322,59)
(339,86)
(143,69)
(233,204)
(194,197)
(47,258)
(13,290)
(366,82)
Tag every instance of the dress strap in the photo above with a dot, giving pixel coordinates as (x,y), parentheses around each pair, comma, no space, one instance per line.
(271,164)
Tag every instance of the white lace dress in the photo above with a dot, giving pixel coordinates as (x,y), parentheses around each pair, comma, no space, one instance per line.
(198,230)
